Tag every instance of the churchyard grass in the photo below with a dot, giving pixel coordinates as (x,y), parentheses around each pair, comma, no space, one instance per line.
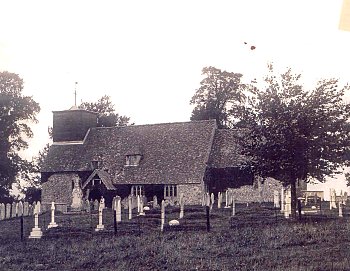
(257,238)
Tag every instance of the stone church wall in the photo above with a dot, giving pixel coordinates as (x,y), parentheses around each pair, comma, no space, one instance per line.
(58,188)
(192,193)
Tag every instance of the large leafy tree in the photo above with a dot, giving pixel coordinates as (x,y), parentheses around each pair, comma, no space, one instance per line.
(295,134)
(107,117)
(16,113)
(219,93)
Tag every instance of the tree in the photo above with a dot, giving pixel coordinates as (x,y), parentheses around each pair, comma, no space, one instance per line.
(293,134)
(220,92)
(16,112)
(107,117)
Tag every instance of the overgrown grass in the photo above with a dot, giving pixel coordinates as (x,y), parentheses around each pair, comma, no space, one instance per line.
(257,238)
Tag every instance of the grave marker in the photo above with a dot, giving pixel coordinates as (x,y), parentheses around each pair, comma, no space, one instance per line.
(96,205)
(13,209)
(282,199)
(233,206)
(8,210)
(155,202)
(26,208)
(276,199)
(100,225)
(340,209)
(141,207)
(130,207)
(20,209)
(118,209)
(36,232)
(52,224)
(162,215)
(2,211)
(182,206)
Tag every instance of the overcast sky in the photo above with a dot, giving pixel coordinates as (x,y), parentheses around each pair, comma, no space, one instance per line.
(148,55)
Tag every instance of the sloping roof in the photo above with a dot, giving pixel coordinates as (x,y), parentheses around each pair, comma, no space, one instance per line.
(171,153)
(226,152)
(104,176)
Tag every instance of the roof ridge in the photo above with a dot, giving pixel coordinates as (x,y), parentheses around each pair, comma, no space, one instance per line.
(157,124)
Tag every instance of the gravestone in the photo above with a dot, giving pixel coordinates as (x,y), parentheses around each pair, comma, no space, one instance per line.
(38,206)
(36,232)
(155,202)
(114,203)
(2,211)
(52,224)
(87,206)
(162,215)
(13,209)
(282,199)
(96,205)
(212,200)
(118,210)
(233,207)
(276,199)
(8,210)
(340,209)
(130,207)
(182,205)
(138,204)
(141,207)
(26,208)
(31,209)
(20,209)
(102,203)
(100,225)
(226,199)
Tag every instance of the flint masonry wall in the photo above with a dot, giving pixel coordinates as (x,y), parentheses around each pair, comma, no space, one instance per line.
(261,193)
(192,193)
(58,188)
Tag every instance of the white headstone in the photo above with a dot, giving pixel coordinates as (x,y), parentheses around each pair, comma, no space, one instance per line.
(26,208)
(14,209)
(130,207)
(282,199)
(102,203)
(2,211)
(36,232)
(52,224)
(20,208)
(8,210)
(162,215)
(340,209)
(155,202)
(276,199)
(100,225)
(118,209)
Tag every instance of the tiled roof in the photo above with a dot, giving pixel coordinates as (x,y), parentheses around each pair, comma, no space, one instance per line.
(226,152)
(104,177)
(172,153)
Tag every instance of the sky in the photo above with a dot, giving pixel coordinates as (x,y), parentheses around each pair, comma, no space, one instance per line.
(148,55)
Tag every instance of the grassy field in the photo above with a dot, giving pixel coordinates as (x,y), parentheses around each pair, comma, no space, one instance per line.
(258,238)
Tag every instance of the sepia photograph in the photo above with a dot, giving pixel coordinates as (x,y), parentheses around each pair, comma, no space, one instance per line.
(175,135)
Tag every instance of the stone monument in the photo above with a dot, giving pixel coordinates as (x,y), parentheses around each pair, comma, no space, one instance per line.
(77,196)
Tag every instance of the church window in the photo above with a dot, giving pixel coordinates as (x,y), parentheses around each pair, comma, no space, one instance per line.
(137,190)
(170,191)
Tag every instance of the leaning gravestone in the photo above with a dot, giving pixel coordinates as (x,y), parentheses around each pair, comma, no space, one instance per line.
(8,210)
(26,209)
(2,211)
(13,211)
(20,209)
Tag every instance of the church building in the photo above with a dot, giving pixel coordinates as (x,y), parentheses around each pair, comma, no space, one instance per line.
(155,159)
